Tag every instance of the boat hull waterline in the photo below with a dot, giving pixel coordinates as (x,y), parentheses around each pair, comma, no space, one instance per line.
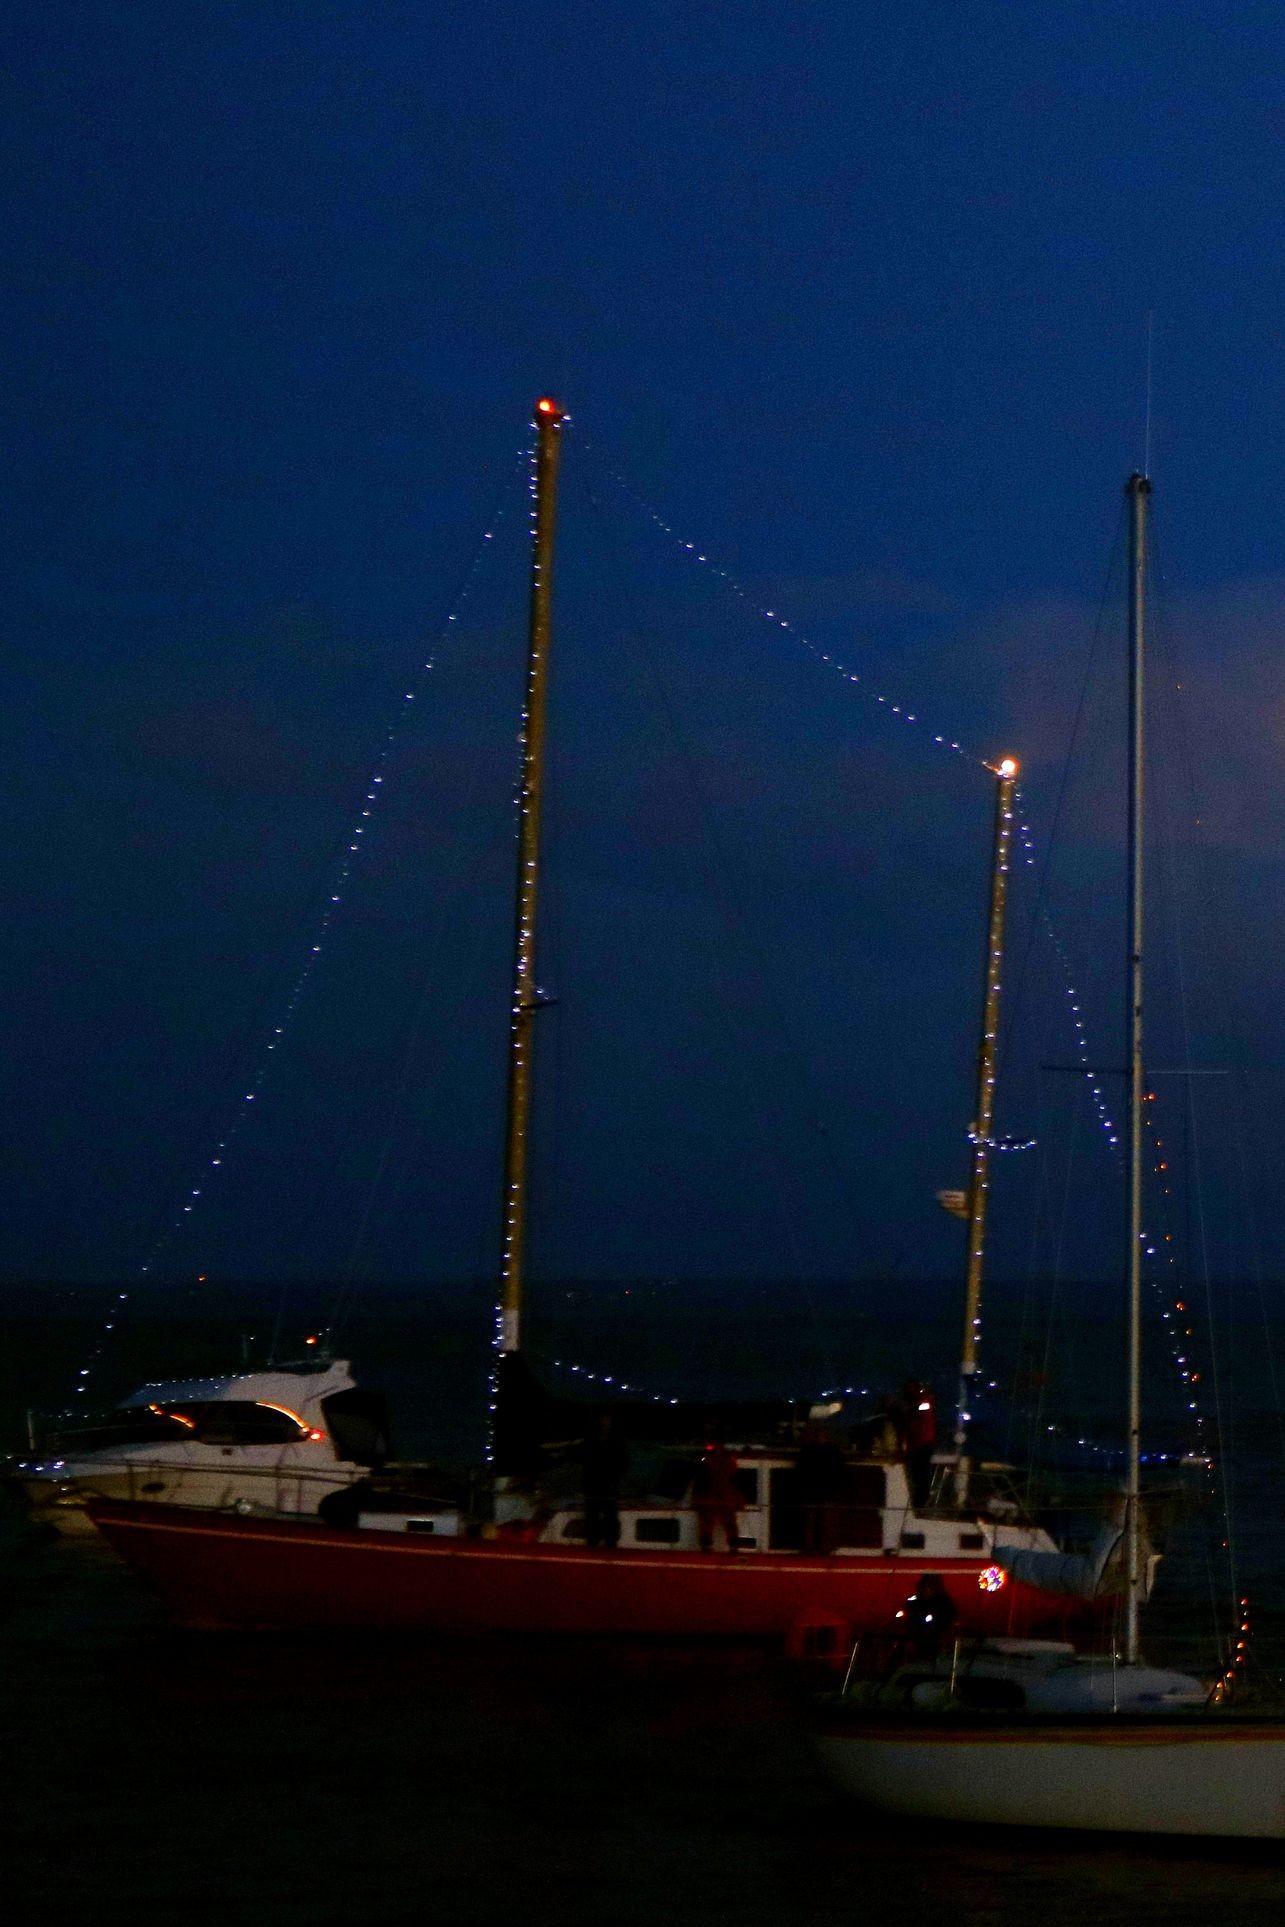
(1208,1776)
(220,1570)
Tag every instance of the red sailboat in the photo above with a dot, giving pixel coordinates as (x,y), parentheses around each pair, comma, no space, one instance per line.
(800,1556)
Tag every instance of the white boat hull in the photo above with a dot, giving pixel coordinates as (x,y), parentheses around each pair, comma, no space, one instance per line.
(61,1502)
(1211,1777)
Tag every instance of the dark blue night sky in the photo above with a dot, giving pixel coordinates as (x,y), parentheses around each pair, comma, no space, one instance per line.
(857,300)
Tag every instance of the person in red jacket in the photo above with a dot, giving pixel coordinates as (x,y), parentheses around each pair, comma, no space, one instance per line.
(716,1497)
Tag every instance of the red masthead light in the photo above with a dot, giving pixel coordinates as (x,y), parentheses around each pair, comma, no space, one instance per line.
(546,407)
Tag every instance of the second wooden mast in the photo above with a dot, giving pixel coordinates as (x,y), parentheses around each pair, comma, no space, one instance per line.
(984,1115)
(526,996)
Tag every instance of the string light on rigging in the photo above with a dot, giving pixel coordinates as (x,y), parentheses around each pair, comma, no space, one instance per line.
(773,616)
(830,659)
(322,930)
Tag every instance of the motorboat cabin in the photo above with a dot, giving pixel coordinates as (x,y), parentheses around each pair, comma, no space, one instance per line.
(256,1442)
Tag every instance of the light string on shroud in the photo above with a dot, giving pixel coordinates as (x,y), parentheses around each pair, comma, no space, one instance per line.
(177,1219)
(616,1384)
(775,620)
(1170,1298)
(585,1376)
(1232,1676)
(772,617)
(1005,1143)
(1187,1375)
(619,1384)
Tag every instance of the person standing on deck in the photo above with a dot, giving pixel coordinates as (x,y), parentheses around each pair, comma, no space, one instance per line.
(820,1473)
(605,1458)
(717,1498)
(925,1620)
(921,1440)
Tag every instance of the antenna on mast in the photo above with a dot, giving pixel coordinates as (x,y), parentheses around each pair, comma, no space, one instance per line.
(1146,417)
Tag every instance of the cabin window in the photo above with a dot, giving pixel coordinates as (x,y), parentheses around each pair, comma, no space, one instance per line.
(972,1542)
(239,1422)
(785,1516)
(656,1532)
(358,1425)
(913,1541)
(865,1485)
(747,1483)
(135,1425)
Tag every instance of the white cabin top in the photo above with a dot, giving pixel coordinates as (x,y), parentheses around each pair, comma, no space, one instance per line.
(299,1388)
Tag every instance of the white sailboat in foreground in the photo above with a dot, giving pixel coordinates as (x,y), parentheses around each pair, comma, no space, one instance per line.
(1029,1732)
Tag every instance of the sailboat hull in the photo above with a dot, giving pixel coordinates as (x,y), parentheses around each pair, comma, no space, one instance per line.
(218,1570)
(1206,1776)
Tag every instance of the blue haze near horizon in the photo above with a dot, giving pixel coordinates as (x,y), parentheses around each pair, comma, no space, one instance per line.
(860,303)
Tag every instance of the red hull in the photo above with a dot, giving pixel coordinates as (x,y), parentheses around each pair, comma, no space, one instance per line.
(215,1570)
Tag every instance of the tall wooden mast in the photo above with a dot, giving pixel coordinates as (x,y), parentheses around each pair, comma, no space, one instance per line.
(526,997)
(1138,491)
(984,1114)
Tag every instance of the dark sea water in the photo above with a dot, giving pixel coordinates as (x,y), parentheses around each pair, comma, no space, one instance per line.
(156,1775)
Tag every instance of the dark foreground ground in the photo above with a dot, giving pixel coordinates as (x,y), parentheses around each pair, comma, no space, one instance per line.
(158,1776)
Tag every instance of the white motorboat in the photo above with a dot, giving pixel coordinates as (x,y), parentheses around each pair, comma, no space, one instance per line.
(268,1442)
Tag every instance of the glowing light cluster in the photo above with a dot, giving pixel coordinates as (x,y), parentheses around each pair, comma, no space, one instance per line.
(1233,1674)
(616,1384)
(1004,1143)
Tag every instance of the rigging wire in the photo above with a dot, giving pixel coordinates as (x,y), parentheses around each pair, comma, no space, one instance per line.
(779,622)
(775,620)
(1196,1188)
(736,928)
(1039,910)
(175,1218)
(1204,895)
(455,888)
